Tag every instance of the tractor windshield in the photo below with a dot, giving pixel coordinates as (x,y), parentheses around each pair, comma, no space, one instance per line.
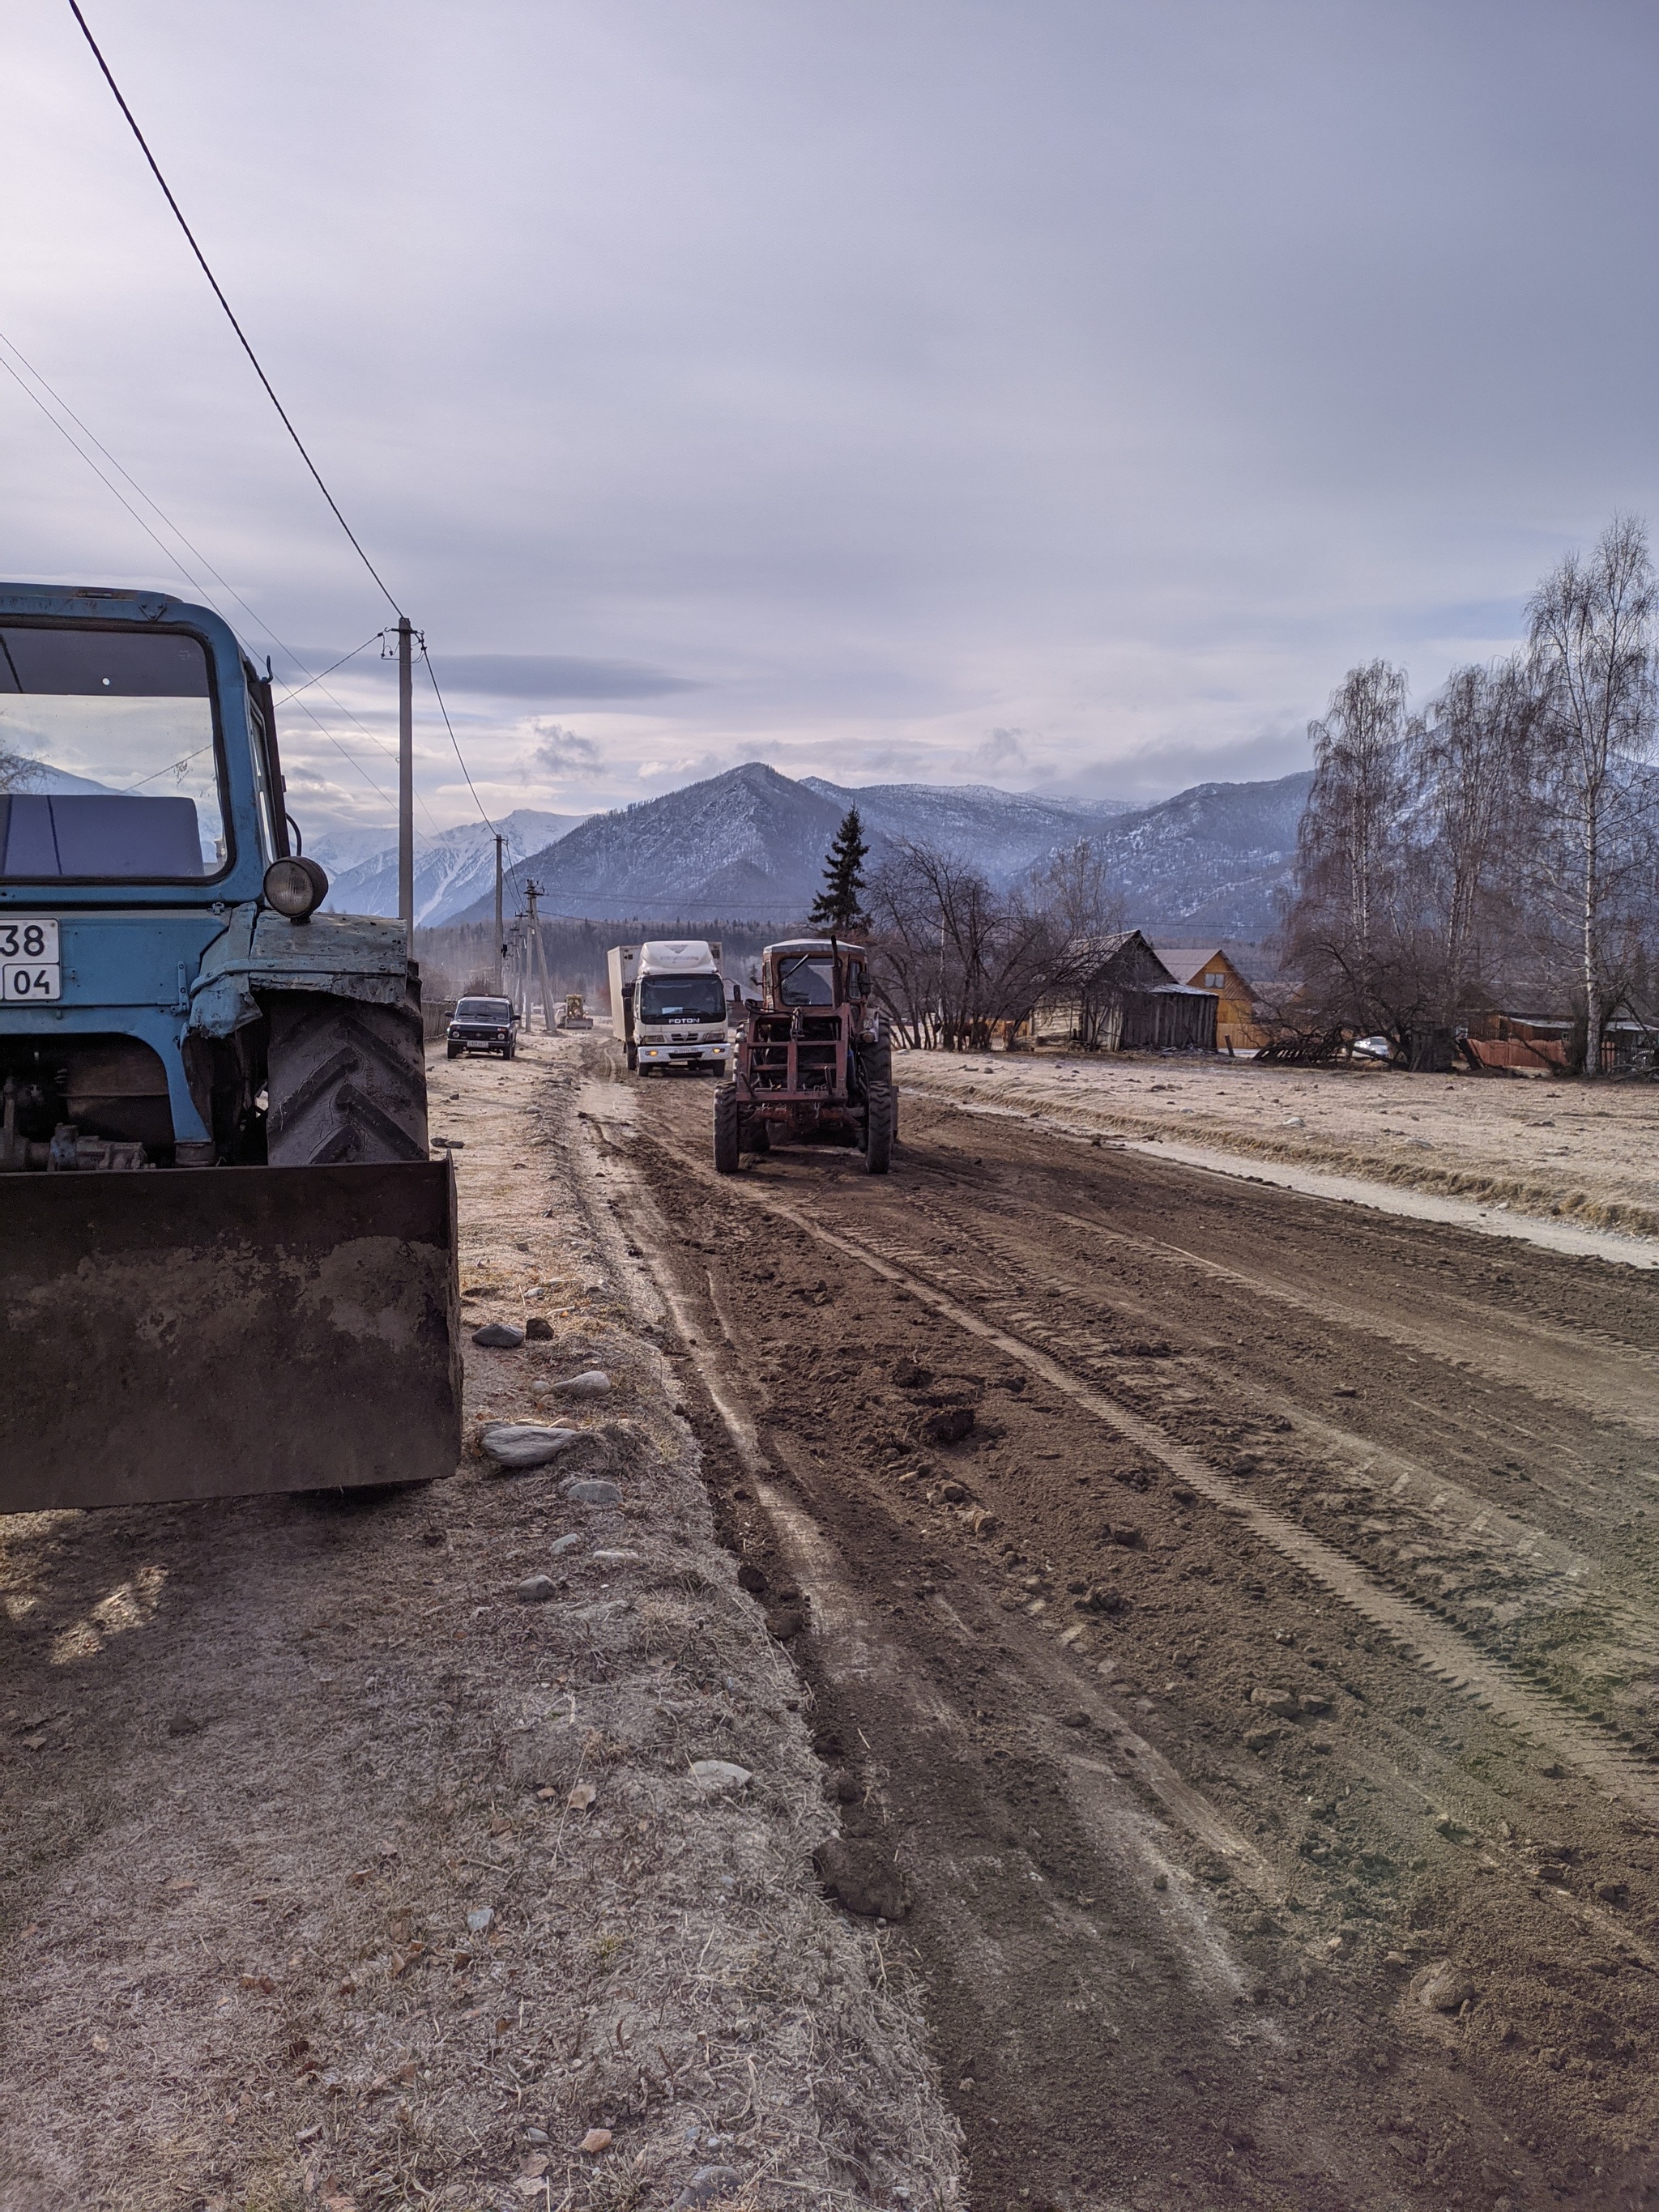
(807,979)
(109,758)
(681,998)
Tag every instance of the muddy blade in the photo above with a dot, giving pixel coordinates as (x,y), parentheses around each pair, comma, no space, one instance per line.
(211,1333)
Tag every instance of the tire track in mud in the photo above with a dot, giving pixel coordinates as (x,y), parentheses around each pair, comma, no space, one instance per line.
(1151,1965)
(1441,1650)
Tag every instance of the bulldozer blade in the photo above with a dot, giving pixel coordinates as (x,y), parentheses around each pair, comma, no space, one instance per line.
(198,1333)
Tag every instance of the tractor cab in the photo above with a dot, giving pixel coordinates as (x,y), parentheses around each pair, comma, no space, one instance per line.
(814,1064)
(815,972)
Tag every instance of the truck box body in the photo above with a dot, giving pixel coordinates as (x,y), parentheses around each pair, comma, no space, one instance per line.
(668,1004)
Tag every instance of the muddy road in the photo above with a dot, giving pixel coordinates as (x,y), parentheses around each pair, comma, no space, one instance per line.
(1231,1624)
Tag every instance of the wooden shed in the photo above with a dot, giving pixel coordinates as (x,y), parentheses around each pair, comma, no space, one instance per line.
(1126,1001)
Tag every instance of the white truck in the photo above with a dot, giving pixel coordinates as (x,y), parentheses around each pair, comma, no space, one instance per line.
(668,1004)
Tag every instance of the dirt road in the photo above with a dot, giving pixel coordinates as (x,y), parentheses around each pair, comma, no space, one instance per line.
(1232,1622)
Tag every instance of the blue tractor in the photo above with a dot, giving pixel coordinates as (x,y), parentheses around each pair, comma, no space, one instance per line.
(227,1256)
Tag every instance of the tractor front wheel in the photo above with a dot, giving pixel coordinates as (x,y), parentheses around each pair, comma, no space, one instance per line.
(346,1082)
(878,1116)
(725,1129)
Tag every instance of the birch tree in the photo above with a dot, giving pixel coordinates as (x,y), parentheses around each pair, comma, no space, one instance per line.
(1591,645)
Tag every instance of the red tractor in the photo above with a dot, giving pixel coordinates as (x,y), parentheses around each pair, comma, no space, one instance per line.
(815,1063)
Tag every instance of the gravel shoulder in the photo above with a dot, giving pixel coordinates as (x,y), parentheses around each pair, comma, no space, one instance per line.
(341,1873)
(1575,1154)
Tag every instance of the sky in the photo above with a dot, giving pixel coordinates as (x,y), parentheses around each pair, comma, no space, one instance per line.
(1057,396)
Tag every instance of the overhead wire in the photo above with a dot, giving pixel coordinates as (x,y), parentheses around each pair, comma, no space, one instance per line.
(189,575)
(218,293)
(288,424)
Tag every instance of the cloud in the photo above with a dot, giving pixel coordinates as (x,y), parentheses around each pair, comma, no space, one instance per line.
(561,752)
(1002,751)
(552,676)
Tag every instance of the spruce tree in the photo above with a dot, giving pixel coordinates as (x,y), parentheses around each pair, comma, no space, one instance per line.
(836,908)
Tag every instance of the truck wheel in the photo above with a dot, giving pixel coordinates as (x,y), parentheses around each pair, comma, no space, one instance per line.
(878,1129)
(345,1081)
(725,1129)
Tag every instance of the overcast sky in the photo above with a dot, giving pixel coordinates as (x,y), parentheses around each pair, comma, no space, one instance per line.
(1056,396)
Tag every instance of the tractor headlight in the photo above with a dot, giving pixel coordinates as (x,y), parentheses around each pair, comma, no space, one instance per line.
(295,888)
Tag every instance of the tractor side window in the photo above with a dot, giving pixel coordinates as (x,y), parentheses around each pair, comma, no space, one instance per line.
(109,763)
(807,980)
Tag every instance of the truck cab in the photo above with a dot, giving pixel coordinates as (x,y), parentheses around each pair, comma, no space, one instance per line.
(673,1000)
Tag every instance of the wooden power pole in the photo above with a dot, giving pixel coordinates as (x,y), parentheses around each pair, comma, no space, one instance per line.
(499,947)
(532,893)
(406,778)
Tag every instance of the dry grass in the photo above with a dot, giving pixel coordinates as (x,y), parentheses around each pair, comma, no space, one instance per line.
(1560,1149)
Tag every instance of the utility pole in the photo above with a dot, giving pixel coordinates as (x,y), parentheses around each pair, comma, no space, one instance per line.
(406,777)
(532,892)
(500,946)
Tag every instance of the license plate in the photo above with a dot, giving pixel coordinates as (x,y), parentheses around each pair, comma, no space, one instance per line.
(29,969)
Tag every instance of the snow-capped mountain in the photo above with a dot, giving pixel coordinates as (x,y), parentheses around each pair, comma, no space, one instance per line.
(451,870)
(750,844)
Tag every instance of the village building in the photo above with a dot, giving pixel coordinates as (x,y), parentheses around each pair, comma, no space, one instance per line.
(1126,1001)
(1237,1026)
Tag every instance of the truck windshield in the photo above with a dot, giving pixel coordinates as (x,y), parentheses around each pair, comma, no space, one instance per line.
(110,762)
(498,1011)
(681,998)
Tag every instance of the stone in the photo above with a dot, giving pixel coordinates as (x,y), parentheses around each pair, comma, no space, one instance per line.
(536,1590)
(593,1383)
(1446,1990)
(595,2140)
(861,1874)
(617,1559)
(568,1542)
(1282,1702)
(498,1336)
(479,1919)
(522,1443)
(715,1777)
(538,1329)
(708,2185)
(592,1494)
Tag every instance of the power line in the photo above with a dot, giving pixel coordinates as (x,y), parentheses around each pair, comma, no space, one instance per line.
(192,579)
(425,659)
(218,294)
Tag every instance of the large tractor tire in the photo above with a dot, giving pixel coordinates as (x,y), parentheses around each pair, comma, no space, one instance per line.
(878,1116)
(876,1060)
(346,1082)
(725,1129)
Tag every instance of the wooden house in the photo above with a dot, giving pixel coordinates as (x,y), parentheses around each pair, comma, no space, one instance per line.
(1236,1029)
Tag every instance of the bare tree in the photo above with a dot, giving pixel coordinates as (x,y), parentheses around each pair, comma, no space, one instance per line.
(1470,764)
(17,771)
(1591,643)
(1342,925)
(953,957)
